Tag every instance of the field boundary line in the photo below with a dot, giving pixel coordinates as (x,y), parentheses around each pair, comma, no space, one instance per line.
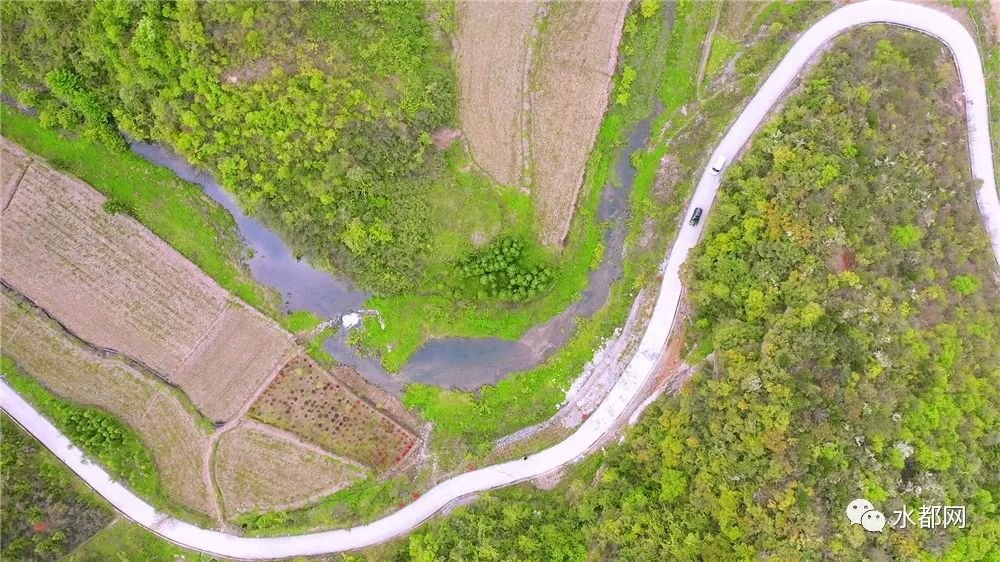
(296,439)
(13,190)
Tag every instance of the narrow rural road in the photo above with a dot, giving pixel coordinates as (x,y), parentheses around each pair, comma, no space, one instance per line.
(641,367)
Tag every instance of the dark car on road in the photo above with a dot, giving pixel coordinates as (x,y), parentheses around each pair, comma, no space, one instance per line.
(696,216)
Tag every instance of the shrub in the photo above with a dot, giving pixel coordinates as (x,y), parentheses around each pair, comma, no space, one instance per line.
(966,284)
(117,206)
(501,272)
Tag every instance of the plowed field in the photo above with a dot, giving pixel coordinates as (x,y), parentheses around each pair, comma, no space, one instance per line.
(534,84)
(256,470)
(13,162)
(493,52)
(117,286)
(310,402)
(572,80)
(238,355)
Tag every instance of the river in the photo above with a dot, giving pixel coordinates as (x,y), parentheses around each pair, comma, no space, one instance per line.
(453,362)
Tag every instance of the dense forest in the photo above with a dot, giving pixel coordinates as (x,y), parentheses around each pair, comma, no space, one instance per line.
(845,321)
(317,115)
(47,511)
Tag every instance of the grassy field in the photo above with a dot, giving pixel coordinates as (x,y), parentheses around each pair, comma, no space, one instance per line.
(722,52)
(362,503)
(125,541)
(310,402)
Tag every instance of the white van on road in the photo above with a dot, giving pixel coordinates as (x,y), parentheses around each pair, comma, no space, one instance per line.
(718,165)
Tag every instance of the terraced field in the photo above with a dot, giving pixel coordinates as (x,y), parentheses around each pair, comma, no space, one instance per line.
(257,469)
(571,81)
(117,286)
(237,356)
(310,402)
(168,428)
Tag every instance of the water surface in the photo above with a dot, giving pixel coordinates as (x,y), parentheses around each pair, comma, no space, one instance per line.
(463,363)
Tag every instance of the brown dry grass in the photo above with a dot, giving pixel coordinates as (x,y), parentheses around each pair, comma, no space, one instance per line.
(256,469)
(168,429)
(117,286)
(310,402)
(13,162)
(577,58)
(235,359)
(106,278)
(493,51)
(530,106)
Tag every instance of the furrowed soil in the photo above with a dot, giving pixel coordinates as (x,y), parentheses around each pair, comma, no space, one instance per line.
(117,286)
(237,357)
(310,402)
(257,470)
(571,82)
(170,431)
(533,89)
(492,50)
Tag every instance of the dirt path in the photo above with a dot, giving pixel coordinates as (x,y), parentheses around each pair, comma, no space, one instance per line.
(296,440)
(706,50)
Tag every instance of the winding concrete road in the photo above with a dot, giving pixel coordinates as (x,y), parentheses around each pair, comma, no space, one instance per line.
(641,367)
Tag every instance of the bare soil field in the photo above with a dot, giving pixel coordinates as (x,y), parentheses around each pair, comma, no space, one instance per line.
(117,286)
(258,470)
(235,359)
(532,95)
(493,54)
(310,402)
(105,277)
(572,81)
(167,427)
(13,162)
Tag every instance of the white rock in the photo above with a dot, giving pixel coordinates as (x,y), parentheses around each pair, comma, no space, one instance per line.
(351,320)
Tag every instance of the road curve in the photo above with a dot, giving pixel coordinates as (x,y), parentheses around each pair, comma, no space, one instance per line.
(641,366)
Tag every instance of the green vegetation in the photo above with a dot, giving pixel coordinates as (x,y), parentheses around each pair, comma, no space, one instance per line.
(125,541)
(332,144)
(362,502)
(500,271)
(664,50)
(44,510)
(723,50)
(301,321)
(327,136)
(839,364)
(315,347)
(48,513)
(101,436)
(989,47)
